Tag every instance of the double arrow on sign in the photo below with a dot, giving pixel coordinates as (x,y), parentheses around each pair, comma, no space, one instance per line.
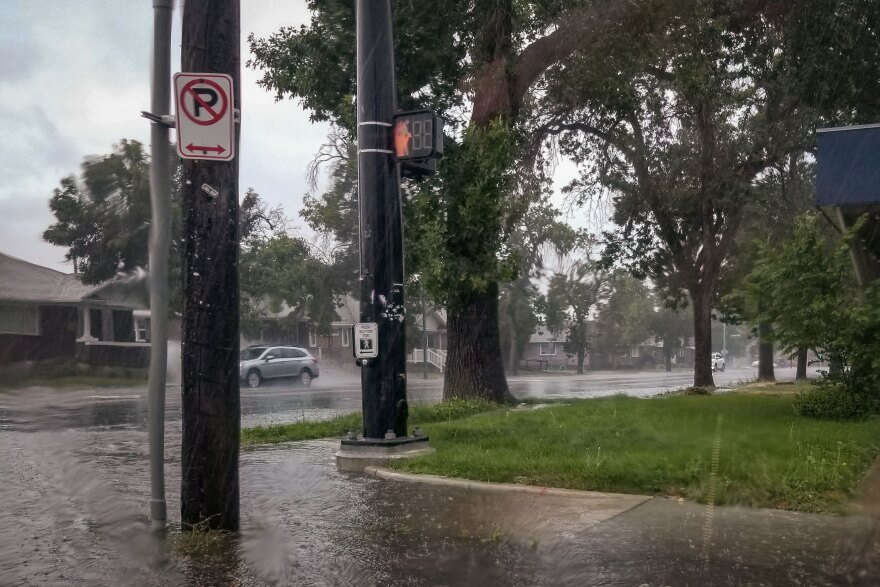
(193,148)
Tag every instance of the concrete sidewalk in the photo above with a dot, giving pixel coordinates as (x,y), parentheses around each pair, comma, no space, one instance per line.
(588,538)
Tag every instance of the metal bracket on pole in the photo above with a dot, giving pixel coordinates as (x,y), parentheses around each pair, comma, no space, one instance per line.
(167,120)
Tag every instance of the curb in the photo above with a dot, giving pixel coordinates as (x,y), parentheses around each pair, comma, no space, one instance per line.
(391,475)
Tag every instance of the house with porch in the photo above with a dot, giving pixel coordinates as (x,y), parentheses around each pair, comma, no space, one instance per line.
(46,314)
(432,343)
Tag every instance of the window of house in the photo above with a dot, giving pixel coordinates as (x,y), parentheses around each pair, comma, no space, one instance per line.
(313,340)
(345,335)
(141,329)
(548,348)
(16,319)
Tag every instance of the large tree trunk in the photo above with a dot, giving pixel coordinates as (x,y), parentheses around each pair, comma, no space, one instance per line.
(474,369)
(513,351)
(801,364)
(765,353)
(582,349)
(702,337)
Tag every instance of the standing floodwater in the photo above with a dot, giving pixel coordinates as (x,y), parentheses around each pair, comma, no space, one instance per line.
(75,491)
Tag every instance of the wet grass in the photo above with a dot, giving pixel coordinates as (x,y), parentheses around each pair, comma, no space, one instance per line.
(337,427)
(69,381)
(768,456)
(199,542)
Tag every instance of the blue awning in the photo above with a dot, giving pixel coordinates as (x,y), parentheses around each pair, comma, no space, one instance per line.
(848,166)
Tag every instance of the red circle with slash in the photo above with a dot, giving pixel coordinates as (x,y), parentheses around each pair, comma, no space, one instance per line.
(215,114)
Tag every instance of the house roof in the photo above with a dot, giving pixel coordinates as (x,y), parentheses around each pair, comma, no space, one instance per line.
(349,313)
(21,281)
(543,334)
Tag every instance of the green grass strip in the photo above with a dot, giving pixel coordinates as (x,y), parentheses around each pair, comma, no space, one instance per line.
(419,415)
(68,381)
(768,457)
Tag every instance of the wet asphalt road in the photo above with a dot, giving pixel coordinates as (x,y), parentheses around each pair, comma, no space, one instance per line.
(73,465)
(333,394)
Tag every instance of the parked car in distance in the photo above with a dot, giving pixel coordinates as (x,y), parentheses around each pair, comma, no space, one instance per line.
(717,362)
(260,362)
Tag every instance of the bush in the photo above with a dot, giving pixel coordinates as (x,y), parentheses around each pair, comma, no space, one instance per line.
(833,400)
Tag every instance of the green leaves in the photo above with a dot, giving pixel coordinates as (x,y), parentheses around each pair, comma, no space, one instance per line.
(801,286)
(467,203)
(280,276)
(103,219)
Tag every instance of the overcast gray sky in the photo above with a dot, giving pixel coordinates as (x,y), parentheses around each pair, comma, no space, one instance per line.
(74,76)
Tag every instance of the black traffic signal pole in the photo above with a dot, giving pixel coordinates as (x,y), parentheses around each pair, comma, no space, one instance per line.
(211,408)
(383,379)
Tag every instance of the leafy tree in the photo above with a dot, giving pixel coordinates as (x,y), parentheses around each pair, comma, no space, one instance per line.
(257,222)
(683,116)
(625,317)
(520,303)
(279,273)
(783,193)
(103,219)
(809,295)
(571,296)
(674,326)
(800,286)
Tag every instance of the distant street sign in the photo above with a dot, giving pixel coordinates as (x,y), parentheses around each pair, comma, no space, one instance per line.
(205,116)
(366,340)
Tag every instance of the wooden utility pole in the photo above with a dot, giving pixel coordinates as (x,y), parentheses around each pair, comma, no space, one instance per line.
(211,403)
(383,380)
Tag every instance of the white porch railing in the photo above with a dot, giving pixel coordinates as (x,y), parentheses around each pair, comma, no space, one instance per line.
(435,357)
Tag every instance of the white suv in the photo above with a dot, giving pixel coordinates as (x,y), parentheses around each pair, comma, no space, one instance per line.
(717,362)
(261,362)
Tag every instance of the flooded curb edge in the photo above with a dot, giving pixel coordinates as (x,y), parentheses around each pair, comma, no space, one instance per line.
(389,474)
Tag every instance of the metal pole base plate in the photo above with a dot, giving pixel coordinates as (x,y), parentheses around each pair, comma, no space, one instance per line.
(357,454)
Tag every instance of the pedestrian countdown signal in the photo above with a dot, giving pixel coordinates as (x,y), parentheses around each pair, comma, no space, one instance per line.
(418,136)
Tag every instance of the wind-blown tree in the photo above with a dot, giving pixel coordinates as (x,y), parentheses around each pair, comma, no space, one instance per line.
(571,295)
(679,121)
(784,192)
(257,222)
(802,287)
(103,218)
(674,325)
(521,305)
(281,272)
(475,63)
(626,315)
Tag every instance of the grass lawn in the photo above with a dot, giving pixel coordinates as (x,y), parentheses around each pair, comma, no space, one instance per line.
(419,415)
(768,456)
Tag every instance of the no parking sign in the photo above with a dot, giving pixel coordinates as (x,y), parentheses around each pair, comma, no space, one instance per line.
(205,116)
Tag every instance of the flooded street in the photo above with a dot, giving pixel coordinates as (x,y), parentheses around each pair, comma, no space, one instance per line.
(75,494)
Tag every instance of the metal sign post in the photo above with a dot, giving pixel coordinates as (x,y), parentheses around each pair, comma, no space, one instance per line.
(160,238)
